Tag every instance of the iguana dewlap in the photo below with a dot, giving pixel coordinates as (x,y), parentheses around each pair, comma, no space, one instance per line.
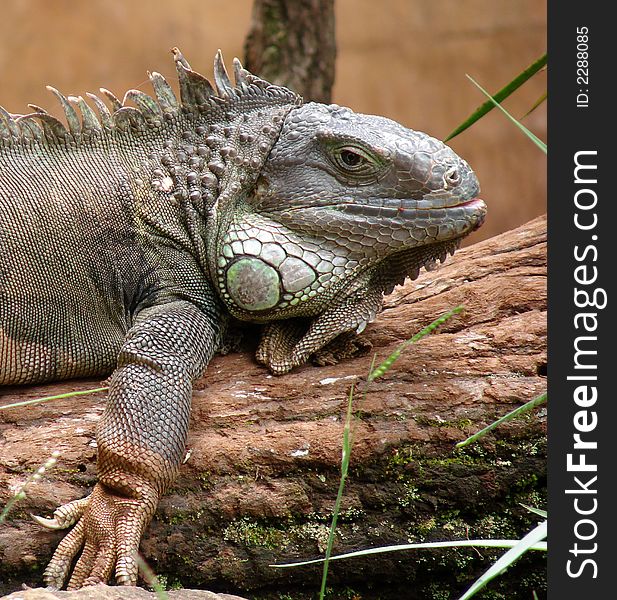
(128,238)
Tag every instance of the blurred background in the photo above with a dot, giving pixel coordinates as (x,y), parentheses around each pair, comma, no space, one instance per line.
(404,59)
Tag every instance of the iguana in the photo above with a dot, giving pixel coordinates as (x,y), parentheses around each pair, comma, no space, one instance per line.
(129,239)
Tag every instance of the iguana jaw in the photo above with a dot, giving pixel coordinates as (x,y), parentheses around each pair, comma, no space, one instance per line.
(376,229)
(271,272)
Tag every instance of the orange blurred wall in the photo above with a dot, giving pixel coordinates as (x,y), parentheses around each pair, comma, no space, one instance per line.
(405,59)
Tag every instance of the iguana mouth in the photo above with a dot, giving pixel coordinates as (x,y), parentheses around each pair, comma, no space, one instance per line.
(404,214)
(401,208)
(479,206)
(473,202)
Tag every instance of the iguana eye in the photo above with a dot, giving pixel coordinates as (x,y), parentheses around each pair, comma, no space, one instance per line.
(353,160)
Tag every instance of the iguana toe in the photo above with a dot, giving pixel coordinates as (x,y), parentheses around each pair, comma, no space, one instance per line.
(346,345)
(127,570)
(59,566)
(277,343)
(95,566)
(83,567)
(64,516)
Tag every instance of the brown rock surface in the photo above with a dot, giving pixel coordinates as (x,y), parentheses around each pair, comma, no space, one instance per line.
(261,479)
(104,592)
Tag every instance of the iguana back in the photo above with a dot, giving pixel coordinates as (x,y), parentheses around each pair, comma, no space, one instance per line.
(71,268)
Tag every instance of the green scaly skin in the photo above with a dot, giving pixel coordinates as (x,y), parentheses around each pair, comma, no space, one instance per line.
(128,239)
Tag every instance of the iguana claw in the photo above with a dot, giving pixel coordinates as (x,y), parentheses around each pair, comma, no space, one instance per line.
(65,516)
(48,523)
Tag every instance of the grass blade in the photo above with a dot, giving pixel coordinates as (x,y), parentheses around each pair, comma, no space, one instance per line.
(533,537)
(501,95)
(57,397)
(374,372)
(20,494)
(540,546)
(537,103)
(537,511)
(386,364)
(534,138)
(339,496)
(150,577)
(511,415)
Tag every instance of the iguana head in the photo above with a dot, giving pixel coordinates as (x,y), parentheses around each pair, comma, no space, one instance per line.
(367,184)
(345,206)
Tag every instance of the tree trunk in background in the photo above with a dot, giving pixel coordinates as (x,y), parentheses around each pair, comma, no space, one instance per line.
(260,483)
(292,43)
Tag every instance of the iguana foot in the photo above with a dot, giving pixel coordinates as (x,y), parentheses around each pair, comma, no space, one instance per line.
(289,343)
(346,345)
(277,343)
(107,534)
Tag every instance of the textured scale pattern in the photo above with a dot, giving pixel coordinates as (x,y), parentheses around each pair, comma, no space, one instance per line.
(131,234)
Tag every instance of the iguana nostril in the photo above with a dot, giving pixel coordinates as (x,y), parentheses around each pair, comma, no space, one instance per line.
(451,176)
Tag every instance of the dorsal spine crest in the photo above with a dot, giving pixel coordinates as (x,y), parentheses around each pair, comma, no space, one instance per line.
(138,111)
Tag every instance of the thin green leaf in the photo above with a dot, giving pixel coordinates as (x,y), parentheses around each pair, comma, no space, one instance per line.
(534,138)
(541,399)
(20,494)
(540,546)
(537,103)
(386,364)
(339,496)
(150,577)
(58,397)
(501,95)
(499,566)
(347,441)
(537,511)
(9,505)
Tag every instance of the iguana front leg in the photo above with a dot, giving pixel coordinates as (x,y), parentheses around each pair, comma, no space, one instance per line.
(141,442)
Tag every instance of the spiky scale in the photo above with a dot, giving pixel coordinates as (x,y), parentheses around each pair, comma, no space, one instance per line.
(53,128)
(89,122)
(69,112)
(115,102)
(179,58)
(127,116)
(9,122)
(183,69)
(164,94)
(30,127)
(201,88)
(104,113)
(241,75)
(38,109)
(221,78)
(149,107)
